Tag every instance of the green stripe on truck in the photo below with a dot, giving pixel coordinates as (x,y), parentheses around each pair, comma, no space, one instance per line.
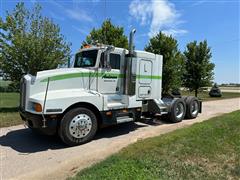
(106,75)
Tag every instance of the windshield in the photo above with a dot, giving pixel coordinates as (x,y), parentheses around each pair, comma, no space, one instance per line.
(86,59)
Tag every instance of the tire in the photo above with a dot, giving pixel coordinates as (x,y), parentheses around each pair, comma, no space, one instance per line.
(78,126)
(177,110)
(192,109)
(184,98)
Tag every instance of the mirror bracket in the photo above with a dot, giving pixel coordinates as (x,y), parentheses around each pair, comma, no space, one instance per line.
(107,52)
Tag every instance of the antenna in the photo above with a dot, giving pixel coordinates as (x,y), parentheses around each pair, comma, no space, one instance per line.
(105,14)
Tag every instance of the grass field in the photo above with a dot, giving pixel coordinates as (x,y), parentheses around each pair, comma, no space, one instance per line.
(205,97)
(4,83)
(207,150)
(9,100)
(10,119)
(8,109)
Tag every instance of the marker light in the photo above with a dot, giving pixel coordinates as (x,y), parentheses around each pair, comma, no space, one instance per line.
(125,110)
(86,46)
(37,107)
(109,113)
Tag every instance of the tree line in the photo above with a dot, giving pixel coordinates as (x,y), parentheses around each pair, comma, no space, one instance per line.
(30,43)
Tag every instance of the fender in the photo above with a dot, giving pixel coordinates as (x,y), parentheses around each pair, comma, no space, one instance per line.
(57,101)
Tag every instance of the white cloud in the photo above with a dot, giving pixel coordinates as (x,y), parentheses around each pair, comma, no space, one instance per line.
(78,15)
(140,10)
(57,16)
(159,15)
(175,32)
(74,13)
(81,30)
(197,3)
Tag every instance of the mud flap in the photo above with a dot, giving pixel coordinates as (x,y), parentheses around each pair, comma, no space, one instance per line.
(200,106)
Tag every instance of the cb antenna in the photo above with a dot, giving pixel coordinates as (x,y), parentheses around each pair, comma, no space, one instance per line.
(105,16)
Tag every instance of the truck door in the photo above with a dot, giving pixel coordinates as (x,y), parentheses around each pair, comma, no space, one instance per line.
(109,80)
(148,77)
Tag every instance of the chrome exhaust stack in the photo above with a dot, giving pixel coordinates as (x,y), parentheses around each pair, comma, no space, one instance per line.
(129,84)
(131,44)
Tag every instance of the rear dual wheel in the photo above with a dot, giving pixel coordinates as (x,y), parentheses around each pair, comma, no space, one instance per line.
(183,107)
(193,107)
(177,111)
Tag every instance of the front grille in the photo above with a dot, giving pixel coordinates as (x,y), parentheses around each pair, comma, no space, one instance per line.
(22,93)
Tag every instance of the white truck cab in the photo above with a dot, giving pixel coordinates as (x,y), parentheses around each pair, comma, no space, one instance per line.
(105,86)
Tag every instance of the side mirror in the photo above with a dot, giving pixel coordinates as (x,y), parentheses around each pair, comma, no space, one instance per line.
(107,52)
(106,64)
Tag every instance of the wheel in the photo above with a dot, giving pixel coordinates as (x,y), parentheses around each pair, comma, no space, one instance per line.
(78,126)
(192,105)
(178,111)
(184,98)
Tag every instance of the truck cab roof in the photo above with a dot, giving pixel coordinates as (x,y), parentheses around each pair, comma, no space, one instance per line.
(137,53)
(116,49)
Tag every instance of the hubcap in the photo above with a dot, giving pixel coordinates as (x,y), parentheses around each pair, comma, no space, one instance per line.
(194,108)
(80,126)
(179,110)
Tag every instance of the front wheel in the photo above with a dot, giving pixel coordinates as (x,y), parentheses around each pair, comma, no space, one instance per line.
(78,126)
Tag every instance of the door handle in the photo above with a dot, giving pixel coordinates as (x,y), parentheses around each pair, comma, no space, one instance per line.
(145,70)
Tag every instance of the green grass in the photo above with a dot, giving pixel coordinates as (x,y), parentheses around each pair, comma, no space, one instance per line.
(8,109)
(205,97)
(4,83)
(207,150)
(10,119)
(9,100)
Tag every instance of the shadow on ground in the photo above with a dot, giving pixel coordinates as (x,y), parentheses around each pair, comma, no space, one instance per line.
(25,141)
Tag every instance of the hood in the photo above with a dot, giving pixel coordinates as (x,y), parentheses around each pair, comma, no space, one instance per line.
(63,79)
(42,75)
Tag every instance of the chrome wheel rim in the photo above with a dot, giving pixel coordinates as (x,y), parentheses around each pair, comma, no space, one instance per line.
(179,110)
(80,126)
(194,108)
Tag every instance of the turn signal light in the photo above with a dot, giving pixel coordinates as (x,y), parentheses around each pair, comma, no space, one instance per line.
(124,110)
(109,113)
(38,107)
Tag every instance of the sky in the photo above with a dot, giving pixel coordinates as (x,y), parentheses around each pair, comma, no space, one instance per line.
(216,21)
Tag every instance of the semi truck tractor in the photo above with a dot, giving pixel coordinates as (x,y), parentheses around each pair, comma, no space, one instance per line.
(105,86)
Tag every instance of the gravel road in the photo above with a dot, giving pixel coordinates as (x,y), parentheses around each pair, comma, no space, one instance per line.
(28,156)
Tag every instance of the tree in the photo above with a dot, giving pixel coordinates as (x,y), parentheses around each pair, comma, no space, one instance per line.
(173,61)
(199,69)
(30,43)
(108,34)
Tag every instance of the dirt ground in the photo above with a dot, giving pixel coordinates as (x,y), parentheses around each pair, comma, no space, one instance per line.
(25,155)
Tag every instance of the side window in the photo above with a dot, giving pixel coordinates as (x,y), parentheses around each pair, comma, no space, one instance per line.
(115,61)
